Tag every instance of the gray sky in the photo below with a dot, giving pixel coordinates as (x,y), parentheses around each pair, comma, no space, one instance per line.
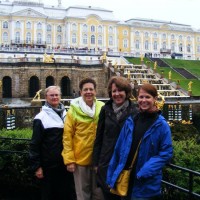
(180,11)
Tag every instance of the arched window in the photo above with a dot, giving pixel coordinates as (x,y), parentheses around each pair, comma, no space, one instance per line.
(125,32)
(180,47)
(146,34)
(74,38)
(59,39)
(39,26)
(155,45)
(59,29)
(28,38)
(48,27)
(18,24)
(110,30)
(48,39)
(137,44)
(28,25)
(92,39)
(49,81)
(164,45)
(188,38)
(110,40)
(100,42)
(85,39)
(7,87)
(39,38)
(164,36)
(5,37)
(17,37)
(65,86)
(84,28)
(180,37)
(74,27)
(5,24)
(146,45)
(172,36)
(137,33)
(33,86)
(92,28)
(125,43)
(100,29)
(173,46)
(155,35)
(188,48)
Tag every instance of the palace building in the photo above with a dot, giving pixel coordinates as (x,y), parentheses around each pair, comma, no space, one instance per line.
(32,24)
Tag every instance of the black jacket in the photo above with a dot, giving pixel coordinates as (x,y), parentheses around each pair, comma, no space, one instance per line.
(46,143)
(107,134)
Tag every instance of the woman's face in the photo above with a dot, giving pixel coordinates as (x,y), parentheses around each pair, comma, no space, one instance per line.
(146,101)
(118,96)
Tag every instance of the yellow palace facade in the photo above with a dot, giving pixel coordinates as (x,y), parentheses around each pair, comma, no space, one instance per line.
(31,24)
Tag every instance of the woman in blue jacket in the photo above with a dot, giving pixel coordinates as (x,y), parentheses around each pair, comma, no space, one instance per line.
(150,132)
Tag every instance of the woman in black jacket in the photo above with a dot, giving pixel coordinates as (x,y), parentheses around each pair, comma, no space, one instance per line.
(111,120)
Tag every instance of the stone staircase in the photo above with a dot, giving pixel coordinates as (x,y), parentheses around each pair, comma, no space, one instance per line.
(185,73)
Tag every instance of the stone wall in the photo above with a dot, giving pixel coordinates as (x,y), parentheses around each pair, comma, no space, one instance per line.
(20,74)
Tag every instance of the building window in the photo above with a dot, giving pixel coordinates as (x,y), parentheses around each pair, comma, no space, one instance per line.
(164,36)
(92,28)
(39,26)
(125,43)
(137,44)
(74,27)
(18,25)
(73,38)
(5,24)
(155,45)
(146,45)
(173,46)
(125,32)
(188,38)
(137,33)
(180,47)
(39,38)
(17,37)
(59,28)
(164,46)
(110,40)
(92,39)
(100,29)
(28,25)
(155,35)
(188,48)
(100,40)
(172,36)
(5,37)
(180,37)
(84,28)
(198,48)
(85,39)
(59,39)
(48,27)
(28,38)
(48,39)
(146,34)
(110,30)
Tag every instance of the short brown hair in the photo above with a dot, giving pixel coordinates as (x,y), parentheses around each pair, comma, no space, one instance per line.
(150,89)
(87,80)
(122,83)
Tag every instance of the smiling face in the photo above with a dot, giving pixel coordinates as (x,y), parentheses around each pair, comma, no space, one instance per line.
(146,101)
(118,95)
(88,93)
(53,97)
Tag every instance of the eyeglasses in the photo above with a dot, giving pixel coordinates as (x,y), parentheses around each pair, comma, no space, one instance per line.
(54,95)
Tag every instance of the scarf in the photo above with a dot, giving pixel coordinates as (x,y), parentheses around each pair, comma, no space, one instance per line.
(87,109)
(59,110)
(118,110)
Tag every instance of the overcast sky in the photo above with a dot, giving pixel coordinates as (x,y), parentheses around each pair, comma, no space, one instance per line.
(180,11)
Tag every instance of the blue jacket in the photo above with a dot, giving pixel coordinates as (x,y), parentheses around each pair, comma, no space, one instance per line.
(154,152)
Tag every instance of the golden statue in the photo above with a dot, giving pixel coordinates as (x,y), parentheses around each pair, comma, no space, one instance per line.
(0,84)
(155,65)
(170,75)
(190,86)
(142,58)
(49,58)
(37,96)
(159,103)
(129,74)
(104,57)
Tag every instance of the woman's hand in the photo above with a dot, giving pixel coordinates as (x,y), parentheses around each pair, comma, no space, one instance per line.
(71,167)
